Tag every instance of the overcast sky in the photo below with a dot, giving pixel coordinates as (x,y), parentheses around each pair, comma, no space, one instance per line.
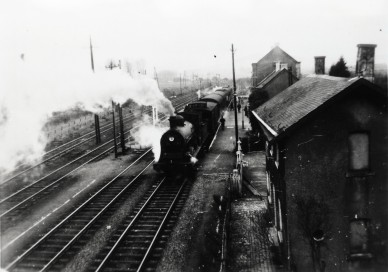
(185,35)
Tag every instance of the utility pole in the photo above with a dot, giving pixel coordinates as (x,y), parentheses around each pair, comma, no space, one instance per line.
(114,128)
(156,78)
(96,117)
(91,54)
(180,83)
(235,98)
(121,122)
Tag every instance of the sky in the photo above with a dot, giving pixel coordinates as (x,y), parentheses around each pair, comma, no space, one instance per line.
(184,36)
(45,55)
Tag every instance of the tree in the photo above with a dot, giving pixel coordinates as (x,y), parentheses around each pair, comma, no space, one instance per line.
(339,69)
(257,97)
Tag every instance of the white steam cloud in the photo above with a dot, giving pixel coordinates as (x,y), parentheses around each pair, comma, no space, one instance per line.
(148,135)
(30,92)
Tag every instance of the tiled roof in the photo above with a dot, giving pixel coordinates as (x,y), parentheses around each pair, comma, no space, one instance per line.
(300,99)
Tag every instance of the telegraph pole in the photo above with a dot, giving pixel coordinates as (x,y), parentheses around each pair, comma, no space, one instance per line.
(114,128)
(235,98)
(91,54)
(156,78)
(180,83)
(96,117)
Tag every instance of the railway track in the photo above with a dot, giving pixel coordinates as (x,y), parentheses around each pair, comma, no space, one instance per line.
(74,230)
(142,238)
(16,203)
(12,209)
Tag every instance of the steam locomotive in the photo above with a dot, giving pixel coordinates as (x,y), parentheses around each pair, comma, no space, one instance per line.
(191,131)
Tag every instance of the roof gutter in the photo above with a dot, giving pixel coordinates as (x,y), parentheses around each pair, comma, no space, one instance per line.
(273,132)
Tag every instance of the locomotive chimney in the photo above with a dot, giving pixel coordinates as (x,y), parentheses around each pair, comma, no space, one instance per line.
(320,65)
(365,65)
(176,121)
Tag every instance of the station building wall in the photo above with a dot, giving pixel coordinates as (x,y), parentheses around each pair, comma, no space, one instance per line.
(315,165)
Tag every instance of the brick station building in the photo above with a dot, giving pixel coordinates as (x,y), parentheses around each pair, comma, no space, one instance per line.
(326,162)
(275,60)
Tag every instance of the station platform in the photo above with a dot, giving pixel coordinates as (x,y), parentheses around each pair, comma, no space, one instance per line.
(251,247)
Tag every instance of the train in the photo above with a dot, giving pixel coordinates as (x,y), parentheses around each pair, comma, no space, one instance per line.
(191,131)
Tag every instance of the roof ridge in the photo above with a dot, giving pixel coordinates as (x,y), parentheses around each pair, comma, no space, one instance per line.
(272,77)
(270,74)
(277,47)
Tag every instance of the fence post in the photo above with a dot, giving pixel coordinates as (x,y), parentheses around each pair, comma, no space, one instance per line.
(97,128)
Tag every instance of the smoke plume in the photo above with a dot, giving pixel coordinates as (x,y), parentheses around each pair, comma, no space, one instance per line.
(30,92)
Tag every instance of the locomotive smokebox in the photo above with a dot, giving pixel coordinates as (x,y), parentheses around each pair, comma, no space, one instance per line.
(176,121)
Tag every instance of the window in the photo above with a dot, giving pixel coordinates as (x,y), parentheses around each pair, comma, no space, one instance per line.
(269,188)
(283,65)
(359,151)
(359,237)
(280,231)
(276,155)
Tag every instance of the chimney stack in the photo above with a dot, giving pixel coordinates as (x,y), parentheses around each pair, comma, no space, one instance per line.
(365,65)
(176,121)
(277,66)
(297,70)
(320,65)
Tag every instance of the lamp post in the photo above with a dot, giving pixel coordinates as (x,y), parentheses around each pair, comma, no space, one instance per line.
(235,98)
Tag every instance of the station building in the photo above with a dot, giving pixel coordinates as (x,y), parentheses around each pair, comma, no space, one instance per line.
(272,74)
(326,163)
(274,61)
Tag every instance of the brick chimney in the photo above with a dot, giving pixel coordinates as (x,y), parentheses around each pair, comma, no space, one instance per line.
(297,70)
(365,65)
(320,65)
(277,66)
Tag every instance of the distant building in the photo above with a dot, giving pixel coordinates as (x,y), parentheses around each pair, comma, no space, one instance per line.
(326,148)
(275,60)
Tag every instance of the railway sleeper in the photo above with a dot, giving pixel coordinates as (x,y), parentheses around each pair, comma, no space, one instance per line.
(146,231)
(94,208)
(55,241)
(137,236)
(27,267)
(148,221)
(139,241)
(97,205)
(38,261)
(152,217)
(125,255)
(51,247)
(64,236)
(147,226)
(81,220)
(156,212)
(162,204)
(134,248)
(152,261)
(153,208)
